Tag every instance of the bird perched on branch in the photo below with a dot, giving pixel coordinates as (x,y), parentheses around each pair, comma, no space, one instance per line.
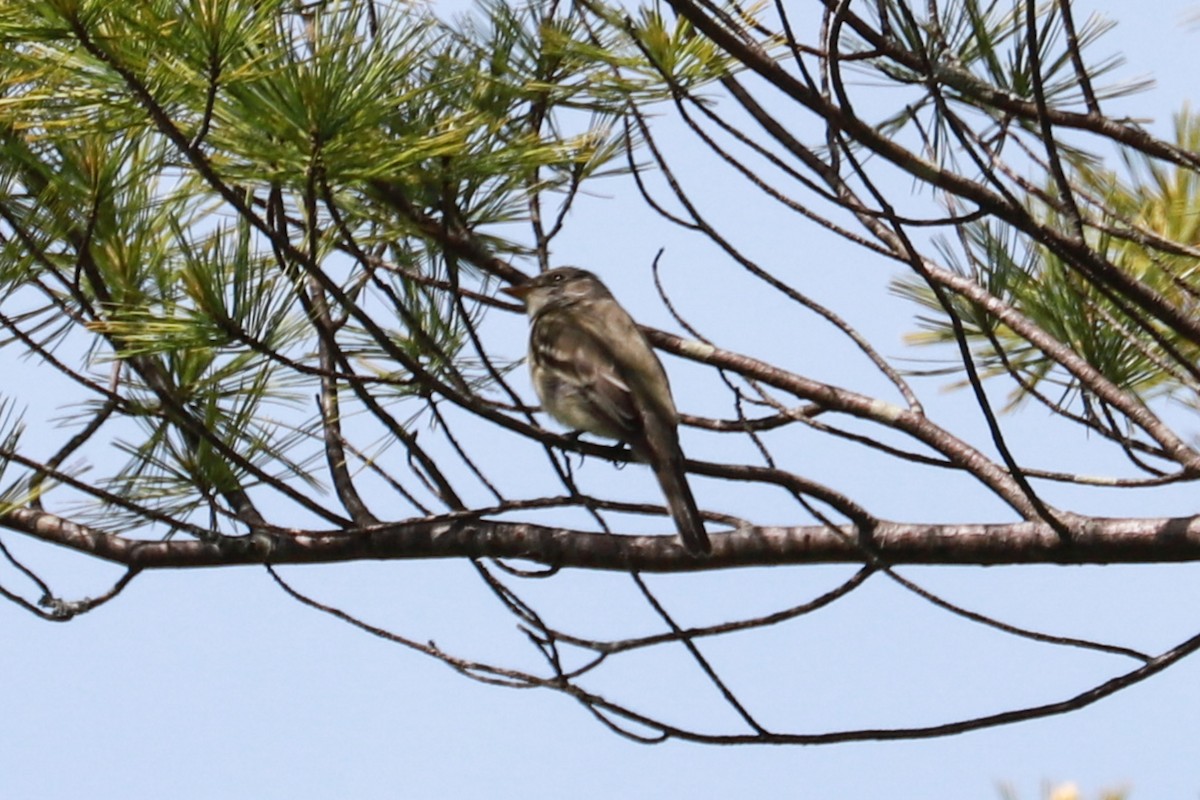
(594,371)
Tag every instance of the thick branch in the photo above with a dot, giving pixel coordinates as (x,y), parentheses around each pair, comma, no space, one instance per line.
(1094,540)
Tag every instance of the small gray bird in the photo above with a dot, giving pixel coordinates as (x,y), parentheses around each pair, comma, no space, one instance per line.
(594,371)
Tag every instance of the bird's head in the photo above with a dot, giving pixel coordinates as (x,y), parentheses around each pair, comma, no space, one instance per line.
(558,288)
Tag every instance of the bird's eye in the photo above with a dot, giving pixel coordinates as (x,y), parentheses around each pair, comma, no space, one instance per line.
(558,278)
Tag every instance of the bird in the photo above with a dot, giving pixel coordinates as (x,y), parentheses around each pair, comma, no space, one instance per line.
(594,371)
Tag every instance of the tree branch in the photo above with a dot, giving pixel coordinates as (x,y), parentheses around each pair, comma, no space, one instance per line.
(1096,541)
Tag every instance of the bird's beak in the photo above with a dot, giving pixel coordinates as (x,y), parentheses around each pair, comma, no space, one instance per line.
(518,292)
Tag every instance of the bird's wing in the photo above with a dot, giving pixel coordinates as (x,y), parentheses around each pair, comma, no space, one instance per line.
(632,357)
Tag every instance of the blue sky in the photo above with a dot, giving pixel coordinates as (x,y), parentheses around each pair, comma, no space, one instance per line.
(212,683)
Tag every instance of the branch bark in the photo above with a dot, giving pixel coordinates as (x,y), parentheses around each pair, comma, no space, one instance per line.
(1094,541)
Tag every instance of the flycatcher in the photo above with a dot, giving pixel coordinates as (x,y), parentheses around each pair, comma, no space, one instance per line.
(594,371)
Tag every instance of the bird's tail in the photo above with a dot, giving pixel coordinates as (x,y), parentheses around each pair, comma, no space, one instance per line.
(667,462)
